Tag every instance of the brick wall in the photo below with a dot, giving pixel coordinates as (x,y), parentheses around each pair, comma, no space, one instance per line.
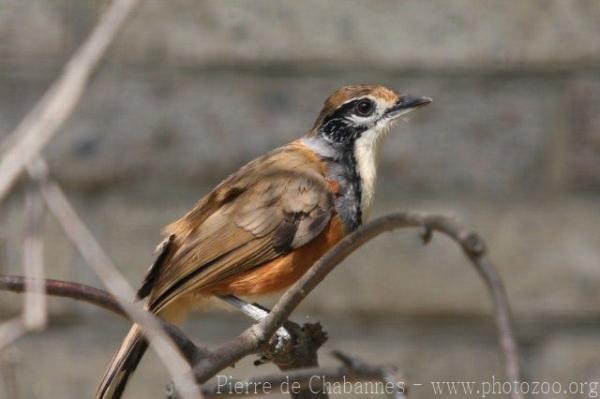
(193,89)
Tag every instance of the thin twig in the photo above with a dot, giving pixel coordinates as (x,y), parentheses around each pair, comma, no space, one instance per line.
(37,129)
(97,297)
(67,289)
(34,309)
(34,315)
(43,121)
(112,279)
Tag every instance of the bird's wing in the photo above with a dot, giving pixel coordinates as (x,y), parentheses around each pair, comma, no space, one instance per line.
(271,206)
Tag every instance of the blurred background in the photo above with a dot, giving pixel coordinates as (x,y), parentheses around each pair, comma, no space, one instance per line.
(194,89)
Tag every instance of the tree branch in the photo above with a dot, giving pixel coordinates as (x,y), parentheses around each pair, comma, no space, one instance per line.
(311,334)
(67,289)
(255,338)
(471,243)
(36,130)
(91,251)
(35,309)
(106,301)
(34,314)
(43,121)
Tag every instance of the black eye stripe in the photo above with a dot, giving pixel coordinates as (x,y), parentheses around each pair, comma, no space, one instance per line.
(338,127)
(342,111)
(346,109)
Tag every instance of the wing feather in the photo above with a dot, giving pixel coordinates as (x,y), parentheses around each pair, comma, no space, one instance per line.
(273,205)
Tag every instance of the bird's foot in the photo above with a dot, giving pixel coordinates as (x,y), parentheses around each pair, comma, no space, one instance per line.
(281,340)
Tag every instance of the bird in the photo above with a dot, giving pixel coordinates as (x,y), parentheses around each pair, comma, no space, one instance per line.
(264,226)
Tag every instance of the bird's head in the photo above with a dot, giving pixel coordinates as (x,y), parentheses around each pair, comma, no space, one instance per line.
(362,112)
(350,126)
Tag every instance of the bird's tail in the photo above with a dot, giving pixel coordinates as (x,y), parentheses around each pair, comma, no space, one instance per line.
(123,365)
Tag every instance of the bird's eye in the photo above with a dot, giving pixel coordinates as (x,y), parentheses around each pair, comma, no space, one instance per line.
(364,107)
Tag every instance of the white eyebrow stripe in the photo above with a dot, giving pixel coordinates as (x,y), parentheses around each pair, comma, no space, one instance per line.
(370,97)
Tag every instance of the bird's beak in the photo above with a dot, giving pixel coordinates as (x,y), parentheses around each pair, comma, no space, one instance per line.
(406,104)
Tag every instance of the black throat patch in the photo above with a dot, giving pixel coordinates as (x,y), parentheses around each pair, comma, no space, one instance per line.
(342,170)
(339,133)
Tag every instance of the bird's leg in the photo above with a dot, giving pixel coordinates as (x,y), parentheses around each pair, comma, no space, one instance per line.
(258,314)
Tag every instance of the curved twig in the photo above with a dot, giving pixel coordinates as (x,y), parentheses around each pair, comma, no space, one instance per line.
(67,289)
(97,297)
(471,244)
(255,337)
